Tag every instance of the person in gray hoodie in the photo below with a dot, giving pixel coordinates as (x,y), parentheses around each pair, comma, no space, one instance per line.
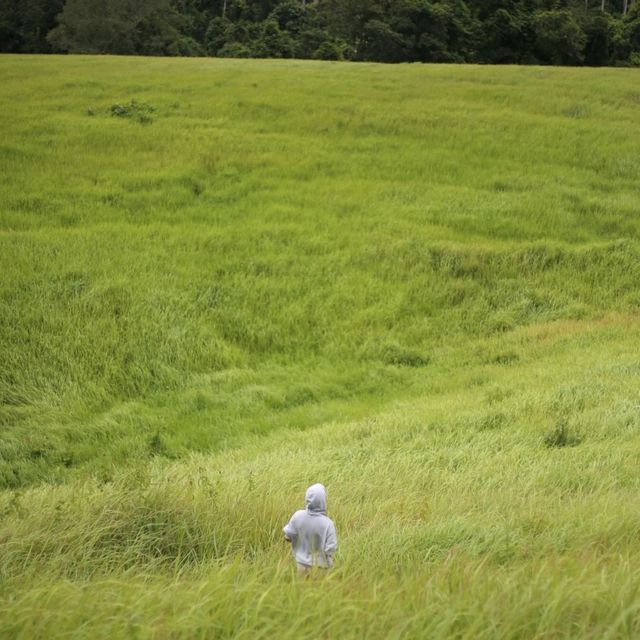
(311,533)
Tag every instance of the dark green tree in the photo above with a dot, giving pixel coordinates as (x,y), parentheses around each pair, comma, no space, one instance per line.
(444,31)
(24,24)
(379,42)
(121,27)
(506,36)
(559,38)
(626,37)
(599,32)
(346,19)
(218,34)
(273,42)
(290,15)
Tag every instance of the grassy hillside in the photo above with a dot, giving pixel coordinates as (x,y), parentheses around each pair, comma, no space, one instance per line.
(223,280)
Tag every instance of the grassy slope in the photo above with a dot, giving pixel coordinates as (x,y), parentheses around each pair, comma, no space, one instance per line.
(297,245)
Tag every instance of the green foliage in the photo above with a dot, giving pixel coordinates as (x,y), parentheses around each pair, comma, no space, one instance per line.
(234,50)
(290,15)
(140,111)
(506,36)
(273,42)
(599,41)
(500,31)
(559,38)
(119,26)
(329,51)
(626,38)
(218,33)
(381,42)
(561,436)
(395,354)
(24,24)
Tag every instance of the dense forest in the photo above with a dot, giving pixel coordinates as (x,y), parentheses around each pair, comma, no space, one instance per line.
(560,32)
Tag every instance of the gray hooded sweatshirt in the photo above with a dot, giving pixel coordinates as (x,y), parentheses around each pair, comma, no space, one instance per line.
(312,533)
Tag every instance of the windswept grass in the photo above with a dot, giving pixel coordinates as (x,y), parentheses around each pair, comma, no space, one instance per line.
(223,280)
(455,519)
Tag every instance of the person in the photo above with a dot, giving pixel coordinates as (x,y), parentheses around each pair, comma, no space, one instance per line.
(312,533)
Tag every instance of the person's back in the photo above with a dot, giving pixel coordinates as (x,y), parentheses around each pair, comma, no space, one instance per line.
(312,534)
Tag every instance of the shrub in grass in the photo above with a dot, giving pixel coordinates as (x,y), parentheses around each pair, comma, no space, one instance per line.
(157,446)
(492,421)
(506,358)
(403,357)
(560,436)
(140,111)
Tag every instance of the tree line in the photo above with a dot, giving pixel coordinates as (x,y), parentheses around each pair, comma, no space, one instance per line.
(559,32)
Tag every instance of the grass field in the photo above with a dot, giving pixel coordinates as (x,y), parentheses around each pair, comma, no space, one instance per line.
(223,280)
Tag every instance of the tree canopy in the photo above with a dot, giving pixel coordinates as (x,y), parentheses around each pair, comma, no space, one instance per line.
(559,32)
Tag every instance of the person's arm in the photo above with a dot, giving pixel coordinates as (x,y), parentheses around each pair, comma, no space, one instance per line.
(290,531)
(331,542)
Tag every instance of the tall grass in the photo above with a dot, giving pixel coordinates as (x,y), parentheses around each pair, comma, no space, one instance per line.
(416,284)
(456,519)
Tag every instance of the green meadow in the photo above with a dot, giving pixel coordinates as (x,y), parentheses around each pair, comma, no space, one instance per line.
(224,280)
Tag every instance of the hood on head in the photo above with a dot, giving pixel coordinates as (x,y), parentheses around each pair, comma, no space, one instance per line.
(315,500)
